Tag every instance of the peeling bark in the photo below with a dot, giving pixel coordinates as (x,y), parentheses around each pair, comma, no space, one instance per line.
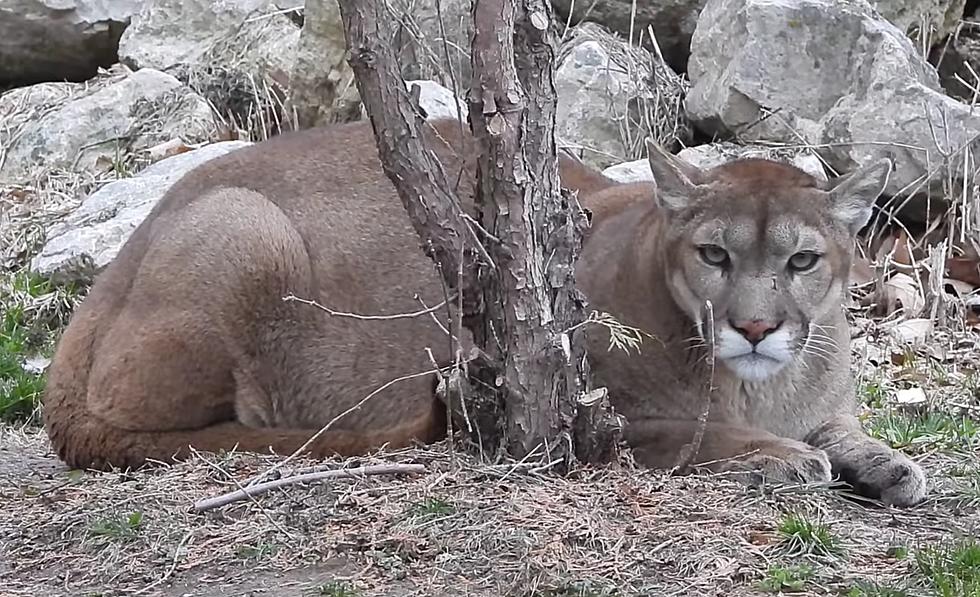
(525,312)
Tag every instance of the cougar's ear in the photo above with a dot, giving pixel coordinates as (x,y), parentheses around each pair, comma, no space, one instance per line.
(853,195)
(674,178)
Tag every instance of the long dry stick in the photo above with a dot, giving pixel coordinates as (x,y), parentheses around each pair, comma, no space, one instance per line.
(259,488)
(688,456)
(330,423)
(292,298)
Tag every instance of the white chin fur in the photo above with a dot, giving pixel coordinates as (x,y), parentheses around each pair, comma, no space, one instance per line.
(758,364)
(754,367)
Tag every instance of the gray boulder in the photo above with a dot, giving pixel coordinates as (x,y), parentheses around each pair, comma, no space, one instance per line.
(321,84)
(89,238)
(674,21)
(612,96)
(57,40)
(830,73)
(167,33)
(76,127)
(434,51)
(715,154)
(938,17)
(438,101)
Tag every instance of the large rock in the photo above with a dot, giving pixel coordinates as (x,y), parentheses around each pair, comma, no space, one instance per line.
(673,21)
(612,96)
(830,73)
(438,101)
(56,40)
(715,154)
(321,85)
(938,17)
(71,126)
(167,33)
(89,238)
(432,50)
(958,62)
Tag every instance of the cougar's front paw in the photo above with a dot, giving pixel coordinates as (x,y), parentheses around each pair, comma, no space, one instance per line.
(871,467)
(889,476)
(784,461)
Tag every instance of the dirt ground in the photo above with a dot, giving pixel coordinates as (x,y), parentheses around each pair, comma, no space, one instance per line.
(457,529)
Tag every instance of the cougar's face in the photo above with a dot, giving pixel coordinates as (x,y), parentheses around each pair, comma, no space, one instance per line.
(758,252)
(755,282)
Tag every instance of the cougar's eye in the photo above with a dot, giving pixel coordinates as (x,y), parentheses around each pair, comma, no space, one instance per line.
(800,262)
(713,255)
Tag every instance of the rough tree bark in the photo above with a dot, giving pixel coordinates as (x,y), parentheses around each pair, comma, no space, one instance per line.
(524,311)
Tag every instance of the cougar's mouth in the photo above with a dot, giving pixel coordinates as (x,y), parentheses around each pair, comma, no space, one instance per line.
(750,361)
(754,366)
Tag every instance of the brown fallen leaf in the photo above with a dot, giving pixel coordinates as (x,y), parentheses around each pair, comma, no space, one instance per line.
(964,269)
(167,149)
(902,253)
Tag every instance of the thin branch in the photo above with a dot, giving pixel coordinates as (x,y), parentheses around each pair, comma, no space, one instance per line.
(260,488)
(688,456)
(312,303)
(330,423)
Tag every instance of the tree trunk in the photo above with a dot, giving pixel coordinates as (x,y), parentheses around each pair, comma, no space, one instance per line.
(524,309)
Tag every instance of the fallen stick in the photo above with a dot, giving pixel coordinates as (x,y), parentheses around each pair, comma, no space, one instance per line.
(259,488)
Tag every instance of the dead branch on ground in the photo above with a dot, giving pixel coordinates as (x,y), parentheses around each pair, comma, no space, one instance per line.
(260,488)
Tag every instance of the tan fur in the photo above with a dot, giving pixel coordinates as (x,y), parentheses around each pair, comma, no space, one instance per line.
(642,264)
(185,340)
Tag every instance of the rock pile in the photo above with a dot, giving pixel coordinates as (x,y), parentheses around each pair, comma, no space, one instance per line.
(824,84)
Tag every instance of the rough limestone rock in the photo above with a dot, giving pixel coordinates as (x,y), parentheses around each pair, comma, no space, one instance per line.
(89,238)
(422,51)
(837,75)
(167,33)
(321,85)
(57,40)
(438,101)
(99,123)
(715,154)
(958,62)
(940,17)
(612,96)
(674,21)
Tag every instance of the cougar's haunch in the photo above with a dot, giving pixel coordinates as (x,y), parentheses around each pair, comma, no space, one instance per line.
(185,339)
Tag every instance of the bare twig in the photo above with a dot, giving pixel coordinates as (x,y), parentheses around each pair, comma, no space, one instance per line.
(312,303)
(259,488)
(170,570)
(332,421)
(689,454)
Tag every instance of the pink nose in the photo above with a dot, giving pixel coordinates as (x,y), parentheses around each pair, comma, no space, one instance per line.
(755,330)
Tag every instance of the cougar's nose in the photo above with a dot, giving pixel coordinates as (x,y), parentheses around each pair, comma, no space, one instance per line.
(755,330)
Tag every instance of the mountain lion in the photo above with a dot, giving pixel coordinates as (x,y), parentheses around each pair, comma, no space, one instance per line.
(185,338)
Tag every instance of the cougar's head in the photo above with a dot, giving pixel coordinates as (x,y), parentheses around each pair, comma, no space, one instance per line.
(768,246)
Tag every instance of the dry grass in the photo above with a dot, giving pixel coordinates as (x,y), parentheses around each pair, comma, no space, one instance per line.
(655,104)
(472,529)
(460,528)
